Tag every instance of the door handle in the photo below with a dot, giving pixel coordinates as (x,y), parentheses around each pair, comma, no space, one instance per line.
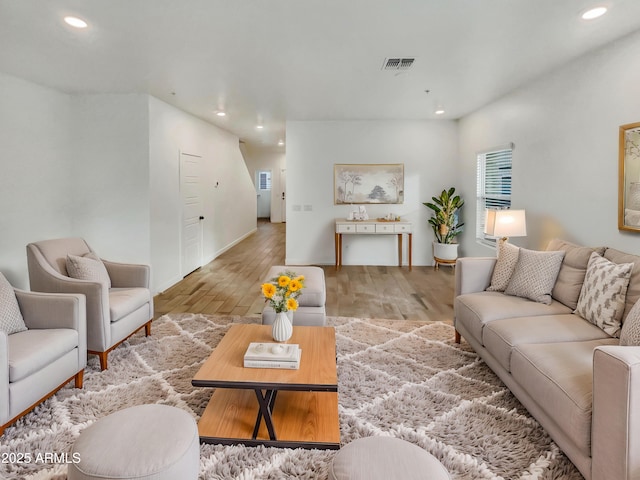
(283,195)
(201,217)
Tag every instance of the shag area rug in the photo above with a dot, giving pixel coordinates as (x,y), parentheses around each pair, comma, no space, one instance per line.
(399,378)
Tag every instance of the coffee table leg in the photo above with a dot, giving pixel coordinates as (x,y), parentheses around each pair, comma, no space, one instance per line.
(266,401)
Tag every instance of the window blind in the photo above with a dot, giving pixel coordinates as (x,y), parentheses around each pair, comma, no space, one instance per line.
(493,185)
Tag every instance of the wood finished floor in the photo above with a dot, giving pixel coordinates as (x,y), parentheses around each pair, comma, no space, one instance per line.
(230,285)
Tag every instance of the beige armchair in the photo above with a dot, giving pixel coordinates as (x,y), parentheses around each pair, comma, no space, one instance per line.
(36,362)
(115,311)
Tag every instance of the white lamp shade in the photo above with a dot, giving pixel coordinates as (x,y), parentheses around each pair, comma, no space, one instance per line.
(505,223)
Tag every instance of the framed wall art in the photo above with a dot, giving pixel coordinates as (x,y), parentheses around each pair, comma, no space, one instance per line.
(629,178)
(368,183)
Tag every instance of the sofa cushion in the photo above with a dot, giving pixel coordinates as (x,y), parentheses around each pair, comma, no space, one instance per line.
(34,349)
(633,290)
(559,377)
(505,265)
(475,310)
(11,320)
(88,267)
(602,297)
(501,336)
(535,275)
(630,333)
(123,301)
(571,274)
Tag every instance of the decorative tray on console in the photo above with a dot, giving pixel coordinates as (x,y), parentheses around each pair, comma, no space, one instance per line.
(387,220)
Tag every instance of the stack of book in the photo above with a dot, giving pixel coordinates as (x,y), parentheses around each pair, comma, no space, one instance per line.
(272,355)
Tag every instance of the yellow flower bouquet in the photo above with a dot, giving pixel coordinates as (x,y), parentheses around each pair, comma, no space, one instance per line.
(283,290)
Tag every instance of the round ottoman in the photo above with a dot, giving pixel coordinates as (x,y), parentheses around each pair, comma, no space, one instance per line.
(143,442)
(372,458)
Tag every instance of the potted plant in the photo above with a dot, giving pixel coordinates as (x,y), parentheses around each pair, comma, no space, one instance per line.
(445,224)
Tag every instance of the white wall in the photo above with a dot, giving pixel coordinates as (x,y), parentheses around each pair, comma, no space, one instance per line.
(227,189)
(565,161)
(110,175)
(34,171)
(267,158)
(428,150)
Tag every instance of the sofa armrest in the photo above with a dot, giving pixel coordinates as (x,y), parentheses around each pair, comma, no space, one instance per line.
(615,434)
(4,379)
(473,274)
(128,275)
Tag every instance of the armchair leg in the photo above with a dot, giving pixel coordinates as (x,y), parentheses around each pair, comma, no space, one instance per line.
(457,337)
(79,378)
(147,328)
(103,360)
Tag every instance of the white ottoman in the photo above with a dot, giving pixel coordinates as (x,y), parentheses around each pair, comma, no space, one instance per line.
(144,442)
(311,303)
(383,458)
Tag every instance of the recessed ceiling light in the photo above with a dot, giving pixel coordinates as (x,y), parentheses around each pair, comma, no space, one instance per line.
(594,13)
(259,127)
(221,114)
(280,143)
(439,111)
(75,22)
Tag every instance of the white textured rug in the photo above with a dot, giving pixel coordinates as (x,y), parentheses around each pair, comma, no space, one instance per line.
(399,378)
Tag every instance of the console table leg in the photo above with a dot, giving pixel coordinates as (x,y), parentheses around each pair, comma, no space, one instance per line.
(410,249)
(400,250)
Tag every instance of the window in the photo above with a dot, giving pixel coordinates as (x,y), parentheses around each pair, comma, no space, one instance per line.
(493,186)
(264,180)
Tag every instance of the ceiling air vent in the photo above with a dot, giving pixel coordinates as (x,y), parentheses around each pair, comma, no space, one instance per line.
(398,63)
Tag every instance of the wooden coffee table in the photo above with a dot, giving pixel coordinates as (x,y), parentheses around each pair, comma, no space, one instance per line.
(273,407)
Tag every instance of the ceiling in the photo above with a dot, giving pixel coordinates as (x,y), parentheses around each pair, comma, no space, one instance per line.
(269,61)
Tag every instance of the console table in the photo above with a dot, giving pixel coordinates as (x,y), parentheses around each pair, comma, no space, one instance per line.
(372,227)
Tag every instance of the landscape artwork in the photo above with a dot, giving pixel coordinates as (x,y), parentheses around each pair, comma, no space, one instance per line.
(368,183)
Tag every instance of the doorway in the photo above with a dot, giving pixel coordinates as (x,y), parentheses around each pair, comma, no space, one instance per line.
(263,192)
(192,213)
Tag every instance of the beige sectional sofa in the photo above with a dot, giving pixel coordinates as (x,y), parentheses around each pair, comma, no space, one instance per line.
(573,377)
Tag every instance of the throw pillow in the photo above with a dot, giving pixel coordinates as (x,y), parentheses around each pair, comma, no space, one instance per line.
(630,333)
(11,320)
(633,290)
(603,293)
(89,267)
(505,265)
(571,275)
(535,275)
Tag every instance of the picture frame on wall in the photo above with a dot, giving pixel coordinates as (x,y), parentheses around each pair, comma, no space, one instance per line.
(368,183)
(629,178)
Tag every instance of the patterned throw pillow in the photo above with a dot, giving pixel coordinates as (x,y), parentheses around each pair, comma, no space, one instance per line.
(603,293)
(535,275)
(89,267)
(11,320)
(630,333)
(505,265)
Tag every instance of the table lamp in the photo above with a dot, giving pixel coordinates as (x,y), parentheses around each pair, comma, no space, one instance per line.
(505,223)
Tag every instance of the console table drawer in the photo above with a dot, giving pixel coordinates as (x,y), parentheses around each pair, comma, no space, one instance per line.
(382,228)
(402,228)
(345,228)
(366,228)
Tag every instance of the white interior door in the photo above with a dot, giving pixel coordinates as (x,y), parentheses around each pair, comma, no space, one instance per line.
(283,194)
(192,217)
(263,191)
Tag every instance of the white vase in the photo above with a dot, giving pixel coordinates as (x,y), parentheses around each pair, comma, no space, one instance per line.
(445,251)
(282,328)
